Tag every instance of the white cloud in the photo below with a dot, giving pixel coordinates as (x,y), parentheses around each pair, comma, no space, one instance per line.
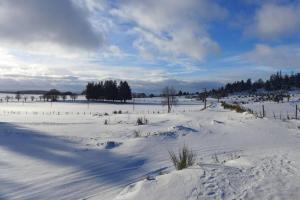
(275,20)
(45,71)
(59,22)
(156,87)
(276,57)
(171,28)
(92,5)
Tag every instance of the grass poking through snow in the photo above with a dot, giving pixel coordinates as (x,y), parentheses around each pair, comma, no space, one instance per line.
(184,159)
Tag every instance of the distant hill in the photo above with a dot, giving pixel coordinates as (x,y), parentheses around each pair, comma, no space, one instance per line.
(26,92)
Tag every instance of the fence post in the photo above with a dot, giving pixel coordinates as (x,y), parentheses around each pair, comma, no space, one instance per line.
(263,110)
(205,98)
(296,112)
(280,116)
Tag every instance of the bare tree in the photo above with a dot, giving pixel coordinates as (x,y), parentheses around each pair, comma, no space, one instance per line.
(169,97)
(52,95)
(18,96)
(63,97)
(74,96)
(203,97)
(7,98)
(32,98)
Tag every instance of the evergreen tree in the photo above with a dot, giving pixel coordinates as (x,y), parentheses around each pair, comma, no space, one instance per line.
(124,91)
(276,82)
(89,91)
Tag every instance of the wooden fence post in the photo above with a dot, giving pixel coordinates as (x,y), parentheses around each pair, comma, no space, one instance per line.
(263,110)
(296,112)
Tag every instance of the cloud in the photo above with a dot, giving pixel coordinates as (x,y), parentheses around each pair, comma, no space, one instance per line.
(141,80)
(19,72)
(76,84)
(276,57)
(276,20)
(171,28)
(156,87)
(59,22)
(13,83)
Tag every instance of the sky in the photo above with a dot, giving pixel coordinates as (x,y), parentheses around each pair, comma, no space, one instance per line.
(191,44)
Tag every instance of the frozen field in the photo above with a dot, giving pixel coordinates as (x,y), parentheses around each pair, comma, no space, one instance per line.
(66,151)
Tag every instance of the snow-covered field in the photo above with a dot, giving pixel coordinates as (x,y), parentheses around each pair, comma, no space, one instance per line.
(65,150)
(282,110)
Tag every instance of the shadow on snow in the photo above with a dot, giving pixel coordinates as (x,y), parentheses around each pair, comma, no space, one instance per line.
(99,165)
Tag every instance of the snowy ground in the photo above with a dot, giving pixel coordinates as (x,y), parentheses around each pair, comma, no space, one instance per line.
(65,151)
(283,110)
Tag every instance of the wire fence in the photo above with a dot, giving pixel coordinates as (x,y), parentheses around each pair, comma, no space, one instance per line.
(285,112)
(92,113)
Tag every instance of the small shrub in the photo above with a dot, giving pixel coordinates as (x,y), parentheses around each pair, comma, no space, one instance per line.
(137,133)
(185,158)
(105,122)
(106,114)
(120,112)
(141,121)
(235,107)
(115,112)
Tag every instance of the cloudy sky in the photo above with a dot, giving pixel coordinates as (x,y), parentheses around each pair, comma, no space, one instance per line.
(189,44)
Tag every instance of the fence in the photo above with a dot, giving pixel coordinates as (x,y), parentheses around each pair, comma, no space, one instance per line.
(81,113)
(288,114)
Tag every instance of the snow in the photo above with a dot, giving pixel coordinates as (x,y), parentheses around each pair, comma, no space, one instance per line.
(66,151)
(281,110)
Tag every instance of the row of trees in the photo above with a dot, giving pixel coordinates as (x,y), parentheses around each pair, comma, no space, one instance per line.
(108,90)
(276,82)
(54,95)
(144,95)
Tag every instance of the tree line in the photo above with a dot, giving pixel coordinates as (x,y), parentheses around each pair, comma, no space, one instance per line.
(51,95)
(276,82)
(54,95)
(108,90)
